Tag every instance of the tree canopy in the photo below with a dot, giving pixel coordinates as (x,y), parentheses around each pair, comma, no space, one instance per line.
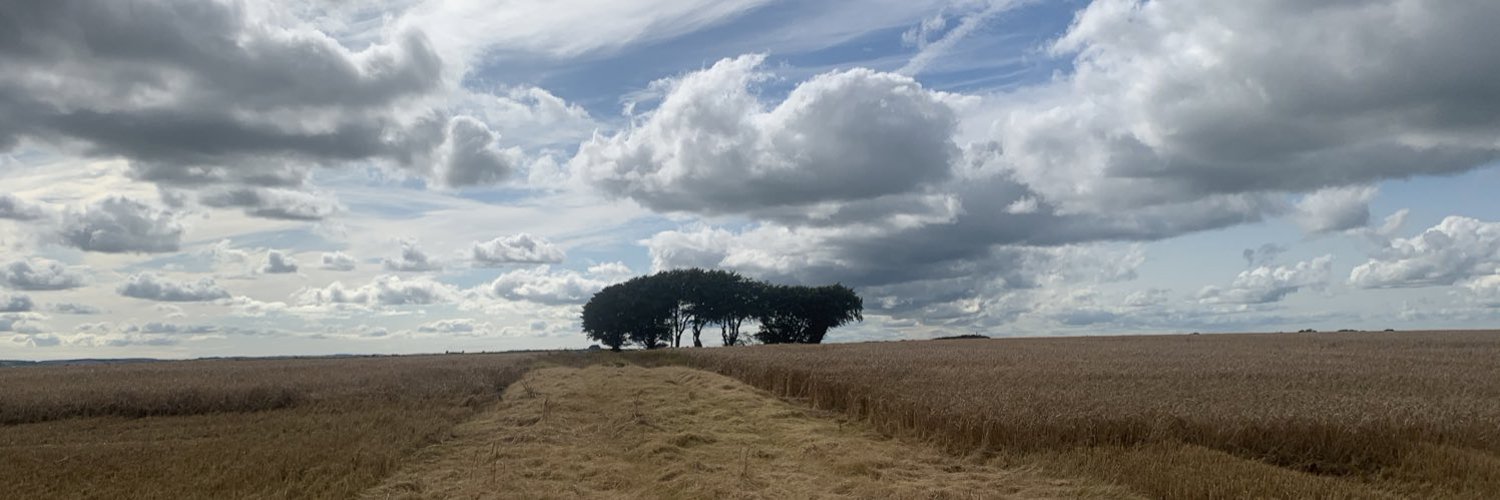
(658,310)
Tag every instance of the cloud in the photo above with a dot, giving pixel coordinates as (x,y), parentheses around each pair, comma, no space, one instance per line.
(151,286)
(15,303)
(1267,284)
(1334,209)
(1163,105)
(272,203)
(72,308)
(157,327)
(543,285)
(36,273)
(713,147)
(412,259)
(470,157)
(15,208)
(519,248)
(121,225)
(1263,256)
(279,263)
(337,261)
(204,93)
(1455,250)
(20,322)
(38,340)
(387,290)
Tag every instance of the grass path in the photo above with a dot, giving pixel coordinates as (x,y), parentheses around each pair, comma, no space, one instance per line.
(672,432)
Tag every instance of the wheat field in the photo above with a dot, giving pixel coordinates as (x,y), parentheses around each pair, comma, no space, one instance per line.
(286,428)
(1354,415)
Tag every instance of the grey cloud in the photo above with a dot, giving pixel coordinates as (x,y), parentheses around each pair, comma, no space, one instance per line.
(519,248)
(15,303)
(1304,96)
(121,225)
(469,155)
(1264,255)
(337,261)
(157,327)
(39,274)
(15,208)
(1334,209)
(72,308)
(199,93)
(278,263)
(272,203)
(151,286)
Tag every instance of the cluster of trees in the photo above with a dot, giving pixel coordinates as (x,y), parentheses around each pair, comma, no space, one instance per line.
(658,310)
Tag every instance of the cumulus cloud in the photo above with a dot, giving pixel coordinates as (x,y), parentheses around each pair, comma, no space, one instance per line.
(712,146)
(121,225)
(1334,209)
(519,248)
(1173,101)
(469,156)
(12,207)
(201,93)
(337,261)
(1454,250)
(151,286)
(15,303)
(39,274)
(23,322)
(387,290)
(272,203)
(278,263)
(1267,284)
(412,259)
(543,285)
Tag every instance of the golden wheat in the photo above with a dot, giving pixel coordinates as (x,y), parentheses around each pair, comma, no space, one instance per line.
(1362,408)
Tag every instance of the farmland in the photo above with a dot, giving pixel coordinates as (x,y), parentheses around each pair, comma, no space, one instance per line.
(1282,415)
(302,428)
(1341,415)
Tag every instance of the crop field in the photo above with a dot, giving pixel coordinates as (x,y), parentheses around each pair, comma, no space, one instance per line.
(1357,415)
(292,428)
(1342,415)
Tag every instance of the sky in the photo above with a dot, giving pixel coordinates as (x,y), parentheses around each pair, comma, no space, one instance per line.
(192,178)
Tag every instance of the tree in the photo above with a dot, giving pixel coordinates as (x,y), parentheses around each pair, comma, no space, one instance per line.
(602,320)
(803,315)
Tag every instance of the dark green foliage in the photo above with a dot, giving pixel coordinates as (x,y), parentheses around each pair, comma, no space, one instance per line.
(803,315)
(655,311)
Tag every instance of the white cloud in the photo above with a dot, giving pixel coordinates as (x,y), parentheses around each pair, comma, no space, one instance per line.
(1454,250)
(387,290)
(337,261)
(1335,209)
(713,147)
(543,285)
(412,259)
(1266,284)
(151,286)
(279,263)
(121,225)
(39,274)
(522,248)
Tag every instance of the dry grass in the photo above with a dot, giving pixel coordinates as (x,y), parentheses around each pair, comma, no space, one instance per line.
(1295,415)
(672,432)
(308,428)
